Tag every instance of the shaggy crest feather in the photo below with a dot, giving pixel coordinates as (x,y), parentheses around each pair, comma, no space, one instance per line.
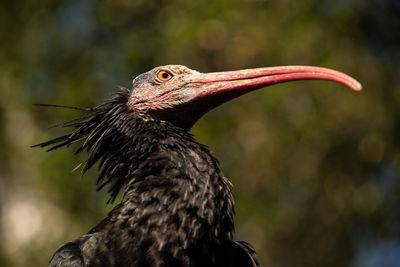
(102,129)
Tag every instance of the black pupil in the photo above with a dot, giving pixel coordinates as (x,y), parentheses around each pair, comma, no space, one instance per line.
(165,75)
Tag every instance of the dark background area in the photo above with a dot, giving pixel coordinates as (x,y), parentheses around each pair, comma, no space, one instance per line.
(315,166)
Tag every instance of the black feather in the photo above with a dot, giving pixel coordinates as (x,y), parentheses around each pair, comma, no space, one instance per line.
(99,128)
(60,106)
(177,208)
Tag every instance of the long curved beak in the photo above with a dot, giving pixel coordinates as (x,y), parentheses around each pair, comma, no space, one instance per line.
(205,91)
(235,83)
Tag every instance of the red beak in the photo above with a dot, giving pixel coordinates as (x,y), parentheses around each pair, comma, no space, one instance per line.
(209,84)
(209,90)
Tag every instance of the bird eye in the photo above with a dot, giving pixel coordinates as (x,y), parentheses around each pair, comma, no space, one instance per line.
(164,76)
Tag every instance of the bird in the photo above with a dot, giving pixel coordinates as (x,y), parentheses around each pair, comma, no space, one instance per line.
(177,207)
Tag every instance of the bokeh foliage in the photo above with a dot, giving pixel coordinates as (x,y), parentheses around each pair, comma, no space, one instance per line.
(315,167)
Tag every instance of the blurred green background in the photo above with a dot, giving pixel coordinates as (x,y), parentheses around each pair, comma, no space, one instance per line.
(315,167)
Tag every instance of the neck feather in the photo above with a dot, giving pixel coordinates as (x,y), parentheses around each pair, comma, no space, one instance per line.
(157,161)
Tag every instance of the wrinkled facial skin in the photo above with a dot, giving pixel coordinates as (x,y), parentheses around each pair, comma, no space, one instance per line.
(174,100)
(152,94)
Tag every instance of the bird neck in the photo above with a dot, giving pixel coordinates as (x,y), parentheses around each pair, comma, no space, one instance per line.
(175,181)
(176,200)
(170,179)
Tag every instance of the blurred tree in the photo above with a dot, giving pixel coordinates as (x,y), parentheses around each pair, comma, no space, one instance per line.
(316,168)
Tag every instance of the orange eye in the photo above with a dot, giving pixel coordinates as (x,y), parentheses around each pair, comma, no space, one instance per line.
(164,75)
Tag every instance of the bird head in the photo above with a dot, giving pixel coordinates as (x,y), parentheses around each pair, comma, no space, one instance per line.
(181,96)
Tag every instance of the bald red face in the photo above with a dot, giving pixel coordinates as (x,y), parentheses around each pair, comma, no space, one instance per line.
(180,95)
(162,88)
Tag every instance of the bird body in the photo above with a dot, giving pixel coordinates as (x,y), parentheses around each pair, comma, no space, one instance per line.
(177,207)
